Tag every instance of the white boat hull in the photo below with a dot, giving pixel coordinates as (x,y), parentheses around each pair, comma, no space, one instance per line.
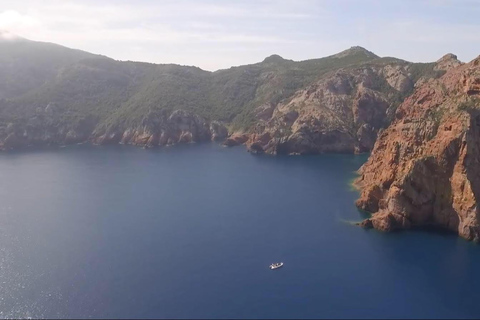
(276,265)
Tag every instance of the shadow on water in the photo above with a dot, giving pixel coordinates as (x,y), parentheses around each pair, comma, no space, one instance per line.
(436,231)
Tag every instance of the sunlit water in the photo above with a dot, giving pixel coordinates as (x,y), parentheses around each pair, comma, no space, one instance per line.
(189,232)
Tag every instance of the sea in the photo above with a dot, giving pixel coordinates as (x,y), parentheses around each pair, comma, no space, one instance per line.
(190,231)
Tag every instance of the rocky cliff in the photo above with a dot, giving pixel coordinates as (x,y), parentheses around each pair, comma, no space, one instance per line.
(424,170)
(167,129)
(156,130)
(340,113)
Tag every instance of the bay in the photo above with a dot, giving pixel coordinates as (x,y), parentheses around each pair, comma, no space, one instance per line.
(189,232)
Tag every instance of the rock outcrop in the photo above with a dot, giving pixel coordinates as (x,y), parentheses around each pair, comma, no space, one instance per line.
(235,139)
(424,170)
(397,77)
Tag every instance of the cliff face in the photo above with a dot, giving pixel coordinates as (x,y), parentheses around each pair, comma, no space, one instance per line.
(424,170)
(340,113)
(164,130)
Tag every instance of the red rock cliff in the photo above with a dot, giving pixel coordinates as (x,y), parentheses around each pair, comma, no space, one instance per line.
(424,169)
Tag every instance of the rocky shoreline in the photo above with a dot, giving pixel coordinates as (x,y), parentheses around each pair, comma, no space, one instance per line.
(178,127)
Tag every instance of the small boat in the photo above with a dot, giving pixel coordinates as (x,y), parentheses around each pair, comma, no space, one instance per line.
(277,265)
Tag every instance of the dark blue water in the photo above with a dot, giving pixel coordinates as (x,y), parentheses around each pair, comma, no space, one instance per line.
(189,232)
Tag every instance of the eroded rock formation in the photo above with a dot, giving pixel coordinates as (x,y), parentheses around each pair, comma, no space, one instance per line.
(340,113)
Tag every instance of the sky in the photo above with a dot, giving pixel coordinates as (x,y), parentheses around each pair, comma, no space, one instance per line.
(215,34)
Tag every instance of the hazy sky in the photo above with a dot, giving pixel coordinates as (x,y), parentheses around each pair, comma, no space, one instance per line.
(214,34)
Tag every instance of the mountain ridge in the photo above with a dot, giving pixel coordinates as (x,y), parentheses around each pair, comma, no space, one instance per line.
(92,97)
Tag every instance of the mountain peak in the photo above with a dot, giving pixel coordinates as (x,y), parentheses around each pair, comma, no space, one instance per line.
(8,36)
(355,50)
(447,62)
(273,59)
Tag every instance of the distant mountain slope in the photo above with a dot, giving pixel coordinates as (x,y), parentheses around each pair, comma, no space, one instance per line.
(54,95)
(25,65)
(226,95)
